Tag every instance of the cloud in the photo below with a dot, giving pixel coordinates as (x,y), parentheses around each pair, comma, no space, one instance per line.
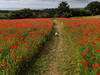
(40,4)
(34,4)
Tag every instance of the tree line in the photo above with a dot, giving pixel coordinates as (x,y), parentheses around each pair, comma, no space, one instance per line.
(63,10)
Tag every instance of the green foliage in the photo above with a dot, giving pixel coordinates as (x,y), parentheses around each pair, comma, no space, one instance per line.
(46,13)
(66,15)
(94,7)
(3,15)
(24,13)
(63,9)
(80,12)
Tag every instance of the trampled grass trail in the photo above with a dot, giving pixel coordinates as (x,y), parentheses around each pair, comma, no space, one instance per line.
(55,56)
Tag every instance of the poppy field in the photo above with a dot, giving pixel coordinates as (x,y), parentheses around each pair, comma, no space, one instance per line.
(20,40)
(84,37)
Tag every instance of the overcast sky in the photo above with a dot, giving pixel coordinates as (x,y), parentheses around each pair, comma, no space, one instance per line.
(40,4)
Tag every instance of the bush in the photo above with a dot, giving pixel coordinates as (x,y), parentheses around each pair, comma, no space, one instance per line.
(80,12)
(24,13)
(3,16)
(66,15)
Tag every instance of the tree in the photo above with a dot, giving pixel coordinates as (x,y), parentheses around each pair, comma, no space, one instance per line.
(62,8)
(94,7)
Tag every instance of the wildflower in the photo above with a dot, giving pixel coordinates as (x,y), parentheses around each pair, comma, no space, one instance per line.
(98,50)
(14,47)
(98,73)
(94,66)
(79,62)
(93,57)
(3,64)
(82,55)
(85,65)
(1,49)
(99,67)
(85,53)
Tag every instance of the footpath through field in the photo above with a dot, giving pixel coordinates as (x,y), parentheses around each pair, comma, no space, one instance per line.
(55,56)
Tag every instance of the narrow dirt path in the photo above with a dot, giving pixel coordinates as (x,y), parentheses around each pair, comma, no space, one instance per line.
(52,61)
(53,68)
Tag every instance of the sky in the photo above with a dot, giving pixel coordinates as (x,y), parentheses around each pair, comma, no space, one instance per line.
(40,4)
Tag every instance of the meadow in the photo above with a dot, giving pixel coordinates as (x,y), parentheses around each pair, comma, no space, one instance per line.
(20,40)
(77,48)
(84,36)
